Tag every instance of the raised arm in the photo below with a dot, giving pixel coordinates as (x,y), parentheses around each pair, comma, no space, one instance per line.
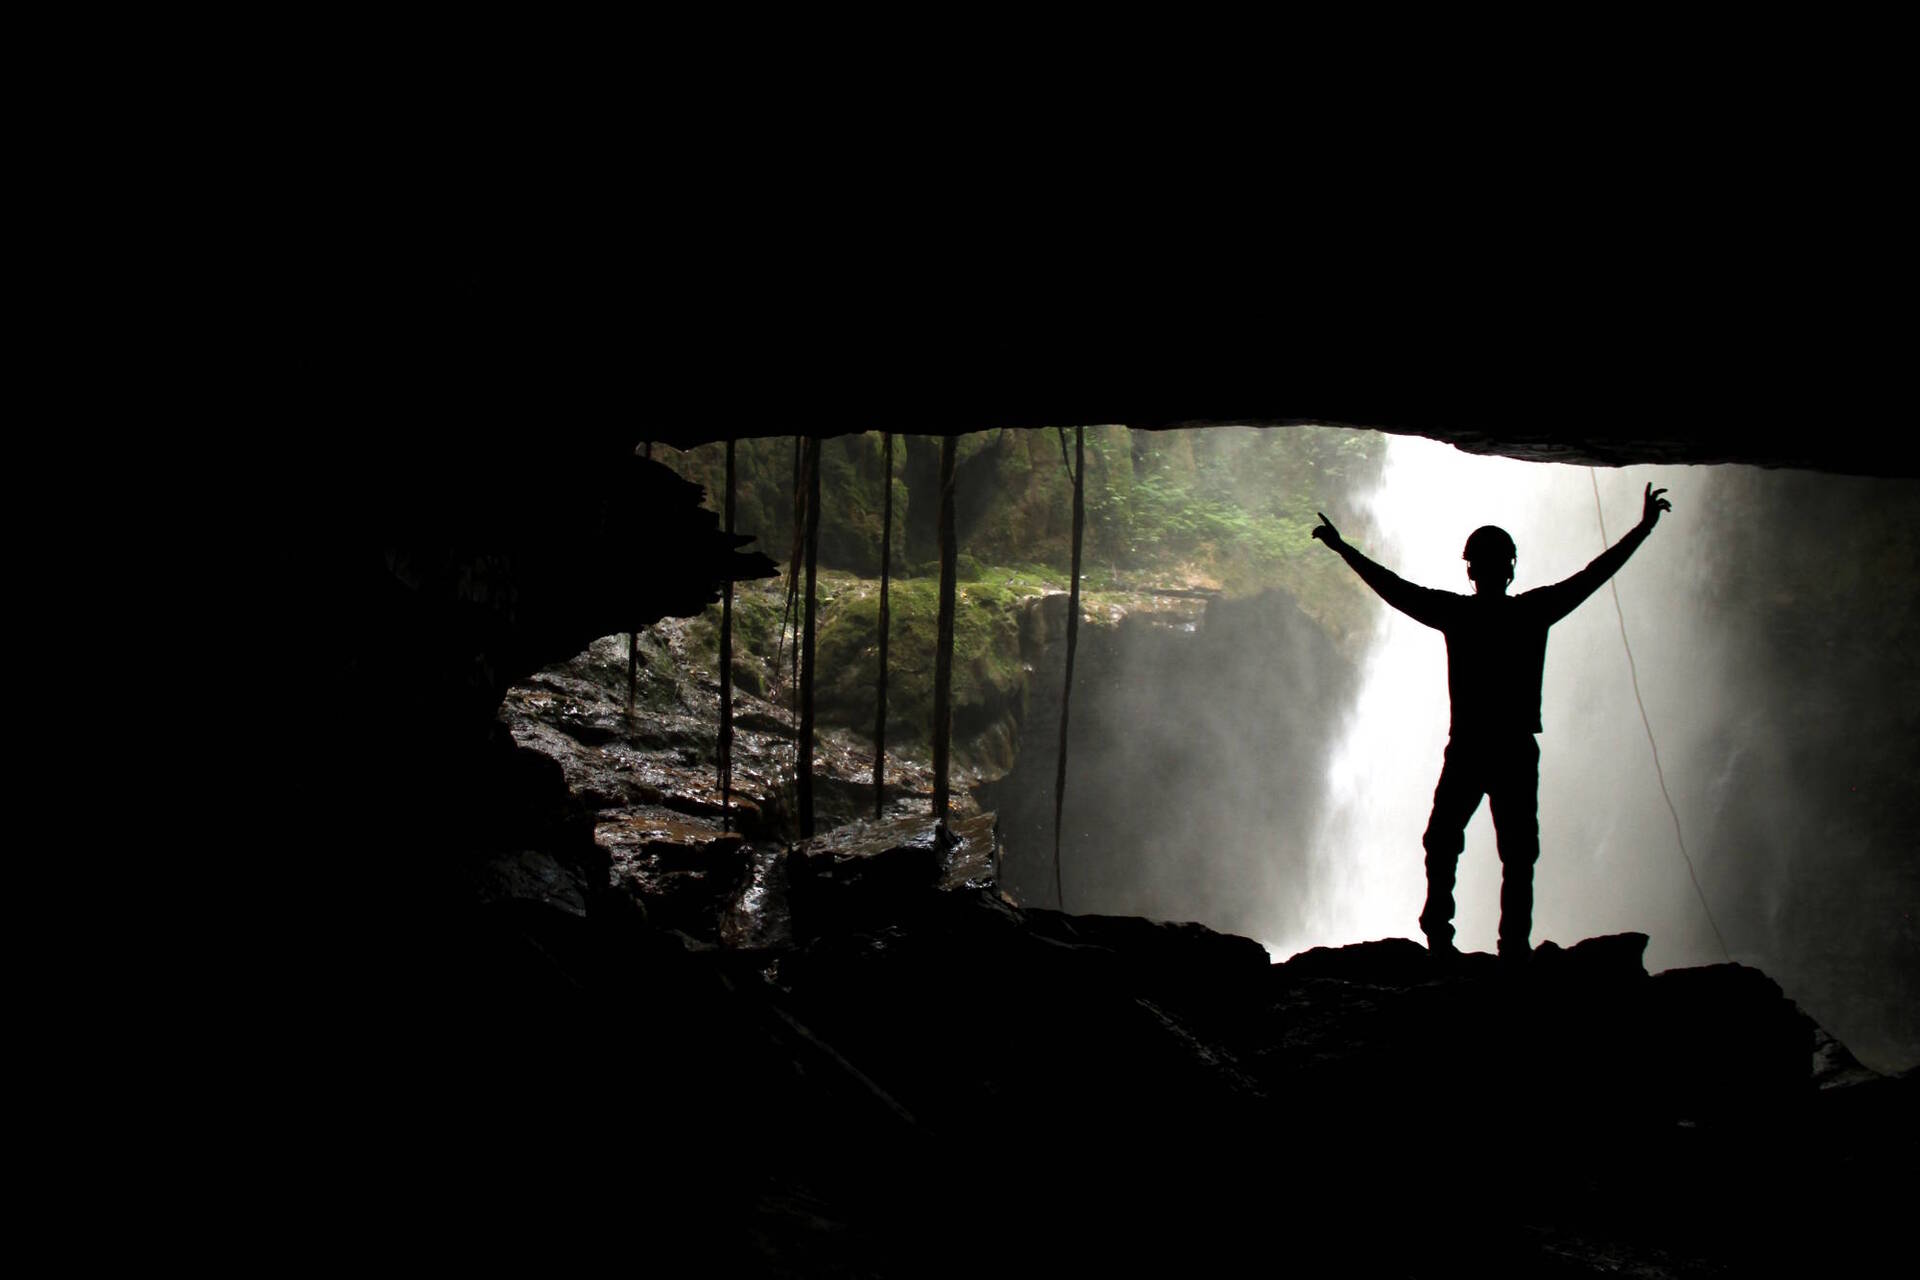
(1562,598)
(1422,604)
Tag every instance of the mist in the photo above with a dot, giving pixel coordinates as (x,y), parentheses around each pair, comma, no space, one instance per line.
(1258,778)
(1610,859)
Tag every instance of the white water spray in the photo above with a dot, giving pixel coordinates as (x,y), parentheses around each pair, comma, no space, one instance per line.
(1608,861)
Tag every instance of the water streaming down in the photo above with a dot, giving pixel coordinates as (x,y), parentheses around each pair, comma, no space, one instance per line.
(1609,860)
(1773,622)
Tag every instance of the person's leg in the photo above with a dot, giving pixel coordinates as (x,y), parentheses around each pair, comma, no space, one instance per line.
(1454,800)
(1513,791)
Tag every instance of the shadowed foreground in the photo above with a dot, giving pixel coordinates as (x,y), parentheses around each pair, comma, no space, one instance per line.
(921,1078)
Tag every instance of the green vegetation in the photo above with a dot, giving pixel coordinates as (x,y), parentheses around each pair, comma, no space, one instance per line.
(987,674)
(851,499)
(1230,509)
(988,677)
(1238,506)
(1225,509)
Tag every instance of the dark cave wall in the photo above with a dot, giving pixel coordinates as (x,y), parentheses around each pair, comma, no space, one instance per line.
(458,568)
(471,378)
(1739,327)
(468,573)
(472,395)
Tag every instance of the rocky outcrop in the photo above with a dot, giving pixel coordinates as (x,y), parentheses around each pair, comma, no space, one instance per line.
(921,1077)
(857,1053)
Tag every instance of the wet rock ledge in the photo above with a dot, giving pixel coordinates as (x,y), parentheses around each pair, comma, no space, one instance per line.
(919,1077)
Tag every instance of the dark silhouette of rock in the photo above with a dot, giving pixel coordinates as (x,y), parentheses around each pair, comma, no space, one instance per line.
(952,1079)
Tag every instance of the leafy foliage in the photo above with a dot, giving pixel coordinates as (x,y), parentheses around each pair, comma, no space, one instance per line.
(1230,509)
(1155,499)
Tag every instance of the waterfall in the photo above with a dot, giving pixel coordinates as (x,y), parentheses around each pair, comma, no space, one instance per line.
(1608,859)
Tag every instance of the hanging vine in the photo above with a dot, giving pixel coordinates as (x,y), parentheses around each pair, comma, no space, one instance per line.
(789,621)
(803,769)
(886,554)
(943,644)
(724,751)
(1077,473)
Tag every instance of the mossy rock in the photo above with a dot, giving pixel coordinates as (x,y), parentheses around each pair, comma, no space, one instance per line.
(750,676)
(987,674)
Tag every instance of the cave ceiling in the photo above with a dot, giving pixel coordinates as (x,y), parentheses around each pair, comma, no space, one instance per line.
(1642,346)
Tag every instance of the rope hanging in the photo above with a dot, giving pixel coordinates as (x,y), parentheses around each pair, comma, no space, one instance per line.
(1660,773)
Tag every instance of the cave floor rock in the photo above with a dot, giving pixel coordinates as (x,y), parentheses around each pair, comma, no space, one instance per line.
(856,1056)
(922,1078)
(649,783)
(663,755)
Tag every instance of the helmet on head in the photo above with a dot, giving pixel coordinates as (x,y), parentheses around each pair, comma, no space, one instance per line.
(1489,542)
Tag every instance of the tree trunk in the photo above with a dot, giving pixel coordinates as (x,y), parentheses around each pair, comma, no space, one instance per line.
(804,769)
(943,651)
(886,562)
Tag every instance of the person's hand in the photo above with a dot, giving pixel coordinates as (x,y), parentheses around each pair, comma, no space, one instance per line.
(1325,530)
(1649,513)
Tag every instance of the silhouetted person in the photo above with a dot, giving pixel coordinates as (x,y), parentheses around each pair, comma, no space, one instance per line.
(1496,650)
